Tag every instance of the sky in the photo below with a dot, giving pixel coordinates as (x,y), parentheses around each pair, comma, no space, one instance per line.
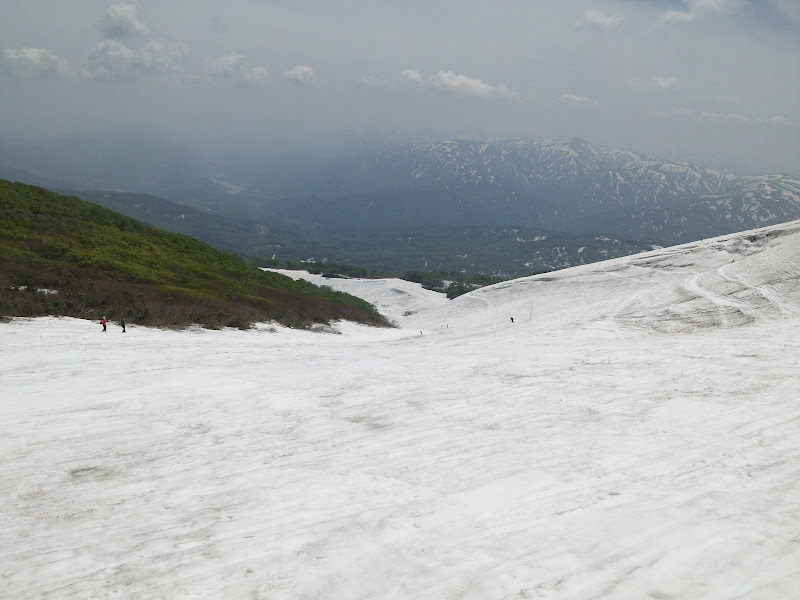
(712,81)
(639,440)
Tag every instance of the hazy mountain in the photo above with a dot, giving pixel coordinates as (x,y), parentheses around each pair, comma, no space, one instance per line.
(458,204)
(570,186)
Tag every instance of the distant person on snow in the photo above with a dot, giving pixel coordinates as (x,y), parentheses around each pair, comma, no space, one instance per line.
(512,319)
(103,323)
(122,324)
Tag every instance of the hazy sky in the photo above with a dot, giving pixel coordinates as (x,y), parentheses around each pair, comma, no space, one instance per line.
(714,81)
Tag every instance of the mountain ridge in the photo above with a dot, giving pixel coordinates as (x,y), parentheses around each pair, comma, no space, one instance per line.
(565,185)
(310,205)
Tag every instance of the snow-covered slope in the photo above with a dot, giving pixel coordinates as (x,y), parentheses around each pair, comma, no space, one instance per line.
(726,281)
(394,298)
(632,434)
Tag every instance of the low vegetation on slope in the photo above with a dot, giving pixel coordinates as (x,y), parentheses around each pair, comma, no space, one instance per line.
(63,256)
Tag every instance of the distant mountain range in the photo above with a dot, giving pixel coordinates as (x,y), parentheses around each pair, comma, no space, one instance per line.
(458,204)
(565,185)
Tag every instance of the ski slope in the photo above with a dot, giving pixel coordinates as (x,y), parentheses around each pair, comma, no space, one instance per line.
(634,433)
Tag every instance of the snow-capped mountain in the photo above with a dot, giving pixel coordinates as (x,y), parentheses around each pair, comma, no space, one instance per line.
(567,185)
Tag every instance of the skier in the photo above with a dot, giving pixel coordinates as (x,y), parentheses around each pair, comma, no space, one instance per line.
(103,323)
(123,325)
(512,319)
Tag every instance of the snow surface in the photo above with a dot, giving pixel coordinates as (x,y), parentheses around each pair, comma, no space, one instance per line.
(394,298)
(634,433)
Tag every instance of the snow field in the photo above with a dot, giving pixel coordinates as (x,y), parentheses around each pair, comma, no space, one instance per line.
(633,434)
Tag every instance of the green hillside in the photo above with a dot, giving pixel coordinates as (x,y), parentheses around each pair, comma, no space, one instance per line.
(63,256)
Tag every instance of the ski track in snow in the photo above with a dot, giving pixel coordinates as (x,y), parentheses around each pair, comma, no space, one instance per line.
(635,433)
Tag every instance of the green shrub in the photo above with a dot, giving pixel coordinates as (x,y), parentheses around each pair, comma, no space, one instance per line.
(102,262)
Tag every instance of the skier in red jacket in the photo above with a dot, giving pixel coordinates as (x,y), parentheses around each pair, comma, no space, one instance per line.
(103,323)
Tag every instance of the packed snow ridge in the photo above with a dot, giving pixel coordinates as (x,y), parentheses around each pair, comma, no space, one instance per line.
(632,433)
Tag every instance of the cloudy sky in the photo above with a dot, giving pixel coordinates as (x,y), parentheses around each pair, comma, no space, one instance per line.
(713,81)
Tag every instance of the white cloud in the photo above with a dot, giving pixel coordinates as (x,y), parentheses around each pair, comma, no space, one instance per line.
(721,117)
(469,86)
(683,112)
(567,98)
(677,16)
(655,82)
(413,75)
(370,81)
(712,5)
(227,65)
(300,75)
(676,112)
(461,85)
(115,57)
(697,8)
(715,116)
(598,20)
(162,55)
(33,63)
(665,83)
(111,59)
(233,66)
(121,21)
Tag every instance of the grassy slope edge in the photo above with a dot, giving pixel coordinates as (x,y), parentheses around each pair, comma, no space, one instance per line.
(60,255)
